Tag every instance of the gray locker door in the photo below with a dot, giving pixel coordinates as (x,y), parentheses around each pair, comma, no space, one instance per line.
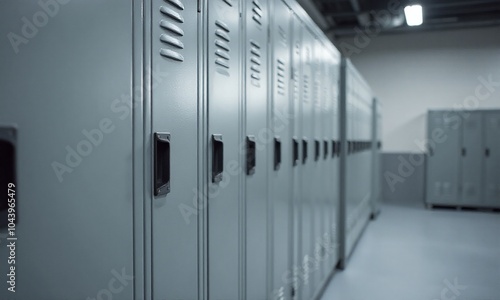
(315,179)
(306,266)
(472,159)
(297,154)
(326,161)
(352,189)
(257,144)
(225,159)
(281,169)
(335,180)
(175,111)
(376,148)
(443,163)
(492,159)
(68,93)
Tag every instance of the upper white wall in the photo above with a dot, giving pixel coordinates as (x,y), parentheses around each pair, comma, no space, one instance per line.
(412,73)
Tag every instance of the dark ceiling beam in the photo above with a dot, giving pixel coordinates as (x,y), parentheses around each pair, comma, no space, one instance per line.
(345,32)
(357,10)
(467,10)
(458,3)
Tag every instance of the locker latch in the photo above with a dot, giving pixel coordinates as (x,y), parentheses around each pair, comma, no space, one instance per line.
(304,150)
(8,145)
(277,153)
(251,155)
(325,149)
(217,158)
(162,163)
(295,152)
(317,150)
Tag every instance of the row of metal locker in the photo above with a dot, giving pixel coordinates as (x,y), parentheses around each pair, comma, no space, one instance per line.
(463,165)
(169,149)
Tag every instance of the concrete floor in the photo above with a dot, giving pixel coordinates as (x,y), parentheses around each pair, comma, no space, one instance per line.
(412,253)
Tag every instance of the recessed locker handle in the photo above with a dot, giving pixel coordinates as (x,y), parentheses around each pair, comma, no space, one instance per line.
(349,147)
(317,150)
(162,163)
(325,149)
(431,151)
(277,153)
(464,152)
(217,158)
(8,149)
(487,152)
(334,148)
(339,148)
(295,152)
(251,155)
(304,150)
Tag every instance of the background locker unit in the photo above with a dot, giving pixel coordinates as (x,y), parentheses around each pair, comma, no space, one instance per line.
(377,157)
(255,81)
(226,161)
(356,169)
(77,222)
(280,176)
(463,164)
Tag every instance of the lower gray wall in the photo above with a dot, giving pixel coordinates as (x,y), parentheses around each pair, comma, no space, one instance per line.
(403,178)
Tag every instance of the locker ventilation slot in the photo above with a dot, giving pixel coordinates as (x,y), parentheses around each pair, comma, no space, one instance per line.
(176,3)
(295,84)
(306,88)
(282,35)
(257,12)
(255,63)
(316,91)
(170,38)
(222,40)
(280,72)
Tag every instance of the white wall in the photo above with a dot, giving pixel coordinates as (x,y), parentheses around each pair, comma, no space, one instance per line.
(411,73)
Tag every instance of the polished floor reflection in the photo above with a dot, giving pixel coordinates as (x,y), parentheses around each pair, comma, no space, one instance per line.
(416,254)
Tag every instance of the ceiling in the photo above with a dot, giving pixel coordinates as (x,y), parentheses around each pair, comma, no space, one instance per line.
(342,17)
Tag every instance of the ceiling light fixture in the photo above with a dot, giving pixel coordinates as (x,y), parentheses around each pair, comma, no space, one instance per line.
(413,14)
